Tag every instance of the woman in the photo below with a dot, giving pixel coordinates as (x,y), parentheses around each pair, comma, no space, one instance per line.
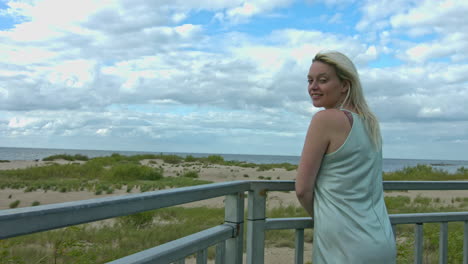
(339,179)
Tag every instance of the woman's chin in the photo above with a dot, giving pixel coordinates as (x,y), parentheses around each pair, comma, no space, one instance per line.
(316,104)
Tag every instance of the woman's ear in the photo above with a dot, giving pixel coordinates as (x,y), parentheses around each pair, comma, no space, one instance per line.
(345,86)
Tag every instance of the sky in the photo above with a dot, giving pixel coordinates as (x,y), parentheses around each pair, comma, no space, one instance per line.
(227,76)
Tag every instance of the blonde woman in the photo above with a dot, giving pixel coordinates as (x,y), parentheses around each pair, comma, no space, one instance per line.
(339,180)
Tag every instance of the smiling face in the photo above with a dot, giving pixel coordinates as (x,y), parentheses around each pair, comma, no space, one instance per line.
(325,88)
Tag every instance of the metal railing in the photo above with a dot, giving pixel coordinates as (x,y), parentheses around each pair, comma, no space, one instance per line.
(227,237)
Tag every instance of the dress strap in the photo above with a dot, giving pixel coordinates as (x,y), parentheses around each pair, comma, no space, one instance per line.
(349,115)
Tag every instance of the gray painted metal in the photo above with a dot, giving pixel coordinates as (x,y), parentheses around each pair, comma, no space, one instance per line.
(220,256)
(181,261)
(387,185)
(15,222)
(299,243)
(425,185)
(22,221)
(202,256)
(305,222)
(234,215)
(419,244)
(174,250)
(256,226)
(289,223)
(428,218)
(443,243)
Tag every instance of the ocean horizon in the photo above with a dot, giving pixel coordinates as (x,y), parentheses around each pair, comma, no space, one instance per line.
(389,164)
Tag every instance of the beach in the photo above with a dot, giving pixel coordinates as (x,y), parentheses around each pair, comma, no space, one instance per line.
(214,173)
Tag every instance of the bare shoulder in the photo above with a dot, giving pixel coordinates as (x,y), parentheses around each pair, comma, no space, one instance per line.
(329,118)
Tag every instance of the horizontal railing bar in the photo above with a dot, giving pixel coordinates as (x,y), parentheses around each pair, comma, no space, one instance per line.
(22,221)
(396,219)
(15,222)
(387,185)
(428,217)
(185,246)
(288,223)
(425,185)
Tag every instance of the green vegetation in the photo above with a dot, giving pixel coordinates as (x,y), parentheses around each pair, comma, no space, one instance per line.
(15,204)
(104,241)
(190,174)
(425,173)
(98,243)
(66,157)
(100,175)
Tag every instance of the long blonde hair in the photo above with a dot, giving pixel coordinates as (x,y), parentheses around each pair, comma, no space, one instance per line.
(346,71)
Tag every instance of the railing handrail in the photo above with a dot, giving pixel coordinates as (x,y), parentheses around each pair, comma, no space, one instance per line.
(171,251)
(53,216)
(395,219)
(21,221)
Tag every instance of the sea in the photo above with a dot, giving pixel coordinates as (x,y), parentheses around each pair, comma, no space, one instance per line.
(389,165)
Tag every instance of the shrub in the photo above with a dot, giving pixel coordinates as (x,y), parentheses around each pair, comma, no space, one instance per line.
(462,170)
(190,158)
(129,188)
(140,220)
(66,157)
(172,159)
(217,159)
(134,172)
(15,204)
(35,203)
(190,174)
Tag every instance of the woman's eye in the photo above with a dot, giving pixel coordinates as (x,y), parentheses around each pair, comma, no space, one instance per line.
(323,80)
(310,81)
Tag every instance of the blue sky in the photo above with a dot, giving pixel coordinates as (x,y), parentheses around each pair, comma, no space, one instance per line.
(226,76)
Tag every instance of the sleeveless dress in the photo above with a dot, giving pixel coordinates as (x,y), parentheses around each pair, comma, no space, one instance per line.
(351,223)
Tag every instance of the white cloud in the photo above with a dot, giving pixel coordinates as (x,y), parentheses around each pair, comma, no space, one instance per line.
(242,12)
(143,73)
(16,122)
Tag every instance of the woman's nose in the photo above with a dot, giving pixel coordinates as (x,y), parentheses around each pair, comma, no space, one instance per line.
(313,86)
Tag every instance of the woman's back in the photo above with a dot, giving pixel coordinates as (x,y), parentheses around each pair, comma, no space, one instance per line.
(351,223)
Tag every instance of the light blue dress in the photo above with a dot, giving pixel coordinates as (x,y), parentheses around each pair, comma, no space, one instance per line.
(351,223)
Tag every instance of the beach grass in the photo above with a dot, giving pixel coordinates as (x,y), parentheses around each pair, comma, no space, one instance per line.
(425,173)
(107,240)
(98,243)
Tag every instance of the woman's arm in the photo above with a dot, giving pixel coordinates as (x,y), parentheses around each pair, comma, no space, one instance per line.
(315,146)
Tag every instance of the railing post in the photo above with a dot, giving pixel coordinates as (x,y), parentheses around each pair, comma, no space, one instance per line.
(202,256)
(394,229)
(418,247)
(443,242)
(234,214)
(220,253)
(256,226)
(299,241)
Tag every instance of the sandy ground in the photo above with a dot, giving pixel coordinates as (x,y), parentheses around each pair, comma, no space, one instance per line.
(214,173)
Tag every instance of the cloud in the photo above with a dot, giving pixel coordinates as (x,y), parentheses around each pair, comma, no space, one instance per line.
(153,75)
(242,12)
